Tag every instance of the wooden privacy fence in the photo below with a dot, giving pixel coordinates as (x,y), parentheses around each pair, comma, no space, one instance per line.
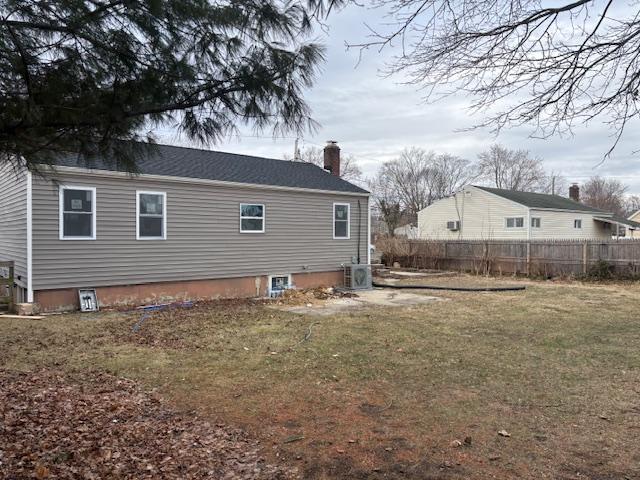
(7,291)
(527,257)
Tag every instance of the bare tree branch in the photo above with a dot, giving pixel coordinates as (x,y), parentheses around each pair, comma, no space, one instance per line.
(521,62)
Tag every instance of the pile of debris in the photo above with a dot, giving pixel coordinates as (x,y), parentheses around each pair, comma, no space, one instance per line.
(99,426)
(311,295)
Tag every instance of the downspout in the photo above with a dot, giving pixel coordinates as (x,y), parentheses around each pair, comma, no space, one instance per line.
(359,229)
(368,230)
(29,237)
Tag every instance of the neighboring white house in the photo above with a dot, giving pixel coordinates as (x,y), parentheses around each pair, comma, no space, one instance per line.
(408,230)
(482,213)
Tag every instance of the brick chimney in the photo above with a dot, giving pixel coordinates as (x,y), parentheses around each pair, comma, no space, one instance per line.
(574,192)
(332,157)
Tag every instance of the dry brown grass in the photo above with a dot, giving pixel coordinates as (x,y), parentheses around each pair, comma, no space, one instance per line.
(383,393)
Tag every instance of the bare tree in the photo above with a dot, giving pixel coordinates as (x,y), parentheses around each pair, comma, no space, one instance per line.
(449,174)
(631,205)
(409,176)
(386,201)
(415,180)
(547,64)
(421,177)
(554,183)
(605,194)
(349,168)
(511,169)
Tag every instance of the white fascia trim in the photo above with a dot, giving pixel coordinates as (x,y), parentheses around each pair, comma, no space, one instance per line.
(164,215)
(333,220)
(630,217)
(583,212)
(201,181)
(29,237)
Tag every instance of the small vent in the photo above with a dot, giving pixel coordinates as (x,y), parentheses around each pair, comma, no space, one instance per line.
(453,225)
(357,277)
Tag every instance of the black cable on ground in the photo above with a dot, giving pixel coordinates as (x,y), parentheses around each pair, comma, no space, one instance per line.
(454,289)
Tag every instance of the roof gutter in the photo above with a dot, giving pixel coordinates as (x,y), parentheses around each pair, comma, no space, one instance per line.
(589,212)
(90,172)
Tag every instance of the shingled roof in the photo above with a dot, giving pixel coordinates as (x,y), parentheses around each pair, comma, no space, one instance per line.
(184,162)
(541,200)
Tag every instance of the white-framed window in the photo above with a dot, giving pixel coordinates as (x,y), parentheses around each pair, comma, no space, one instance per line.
(252,218)
(151,215)
(514,222)
(536,222)
(77,213)
(577,223)
(278,284)
(341,220)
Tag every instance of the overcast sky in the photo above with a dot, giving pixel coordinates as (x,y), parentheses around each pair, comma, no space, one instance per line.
(374,118)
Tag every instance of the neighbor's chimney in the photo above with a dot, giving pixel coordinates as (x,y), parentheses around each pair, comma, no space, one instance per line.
(332,157)
(574,192)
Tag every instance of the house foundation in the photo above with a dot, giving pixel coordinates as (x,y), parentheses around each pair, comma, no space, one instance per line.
(66,299)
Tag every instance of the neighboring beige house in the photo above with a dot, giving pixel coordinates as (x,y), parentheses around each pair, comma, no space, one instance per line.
(408,230)
(634,218)
(482,213)
(192,224)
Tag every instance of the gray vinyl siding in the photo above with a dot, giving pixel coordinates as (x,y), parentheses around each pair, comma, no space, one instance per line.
(203,234)
(13,220)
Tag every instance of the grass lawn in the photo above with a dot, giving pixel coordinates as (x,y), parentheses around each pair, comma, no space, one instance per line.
(388,392)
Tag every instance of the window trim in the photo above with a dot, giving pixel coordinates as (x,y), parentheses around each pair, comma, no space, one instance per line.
(61,212)
(515,227)
(574,223)
(333,220)
(164,214)
(263,218)
(539,222)
(271,277)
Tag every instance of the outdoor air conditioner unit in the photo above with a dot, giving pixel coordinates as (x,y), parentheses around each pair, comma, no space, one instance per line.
(454,226)
(357,276)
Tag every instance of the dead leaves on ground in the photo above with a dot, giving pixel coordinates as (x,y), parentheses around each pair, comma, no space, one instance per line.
(100,427)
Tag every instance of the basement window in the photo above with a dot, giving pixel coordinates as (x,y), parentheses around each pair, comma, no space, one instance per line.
(535,222)
(514,222)
(341,220)
(577,223)
(278,284)
(151,215)
(252,216)
(77,213)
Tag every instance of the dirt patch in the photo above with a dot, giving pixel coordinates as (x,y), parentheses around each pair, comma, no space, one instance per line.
(102,427)
(377,297)
(309,295)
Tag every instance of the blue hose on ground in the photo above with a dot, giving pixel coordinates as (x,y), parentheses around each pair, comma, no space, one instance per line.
(149,309)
